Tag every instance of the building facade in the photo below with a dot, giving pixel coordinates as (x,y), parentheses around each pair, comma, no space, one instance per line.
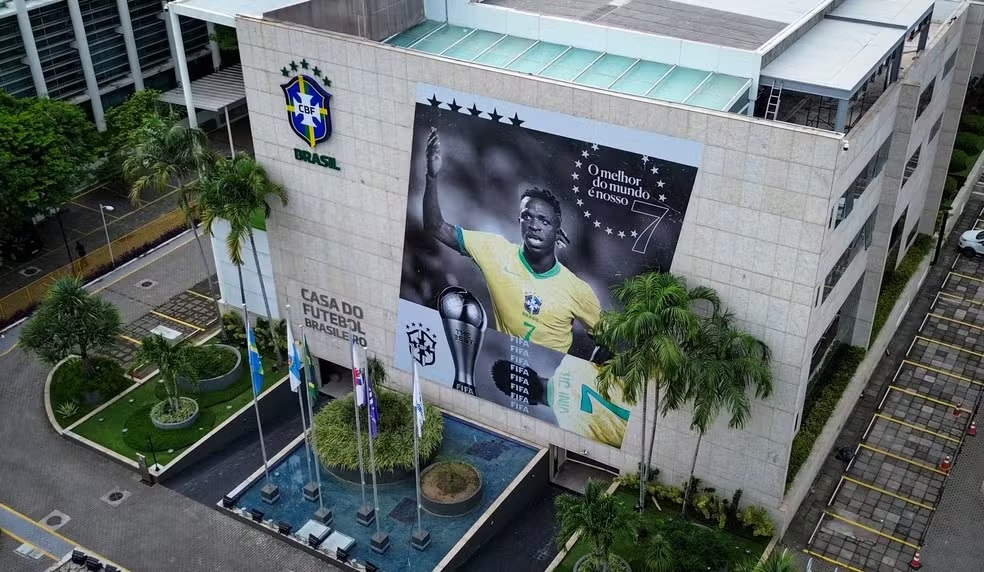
(763,156)
(94,52)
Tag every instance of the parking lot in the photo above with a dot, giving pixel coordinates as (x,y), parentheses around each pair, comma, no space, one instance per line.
(884,505)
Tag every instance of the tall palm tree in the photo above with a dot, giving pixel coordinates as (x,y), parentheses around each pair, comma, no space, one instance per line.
(172,361)
(601,518)
(167,151)
(646,334)
(779,561)
(233,190)
(722,364)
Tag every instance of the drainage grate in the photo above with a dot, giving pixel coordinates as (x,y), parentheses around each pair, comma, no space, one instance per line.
(146,284)
(29,271)
(405,511)
(488,450)
(115,497)
(56,520)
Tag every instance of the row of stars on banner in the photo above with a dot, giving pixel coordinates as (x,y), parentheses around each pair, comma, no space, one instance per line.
(474,110)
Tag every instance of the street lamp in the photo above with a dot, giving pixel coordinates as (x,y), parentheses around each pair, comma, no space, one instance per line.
(103,209)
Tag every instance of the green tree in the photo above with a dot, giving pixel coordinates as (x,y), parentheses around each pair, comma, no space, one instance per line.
(779,561)
(233,190)
(172,360)
(656,314)
(164,151)
(46,151)
(722,364)
(70,320)
(601,518)
(125,123)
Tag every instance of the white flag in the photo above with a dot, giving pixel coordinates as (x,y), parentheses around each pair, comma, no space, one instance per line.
(418,403)
(294,360)
(358,377)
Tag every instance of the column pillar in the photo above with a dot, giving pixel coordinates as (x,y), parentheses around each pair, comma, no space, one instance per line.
(126,28)
(896,64)
(213,46)
(82,45)
(170,42)
(924,35)
(30,48)
(840,120)
(182,66)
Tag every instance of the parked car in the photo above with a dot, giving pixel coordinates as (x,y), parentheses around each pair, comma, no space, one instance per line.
(972,242)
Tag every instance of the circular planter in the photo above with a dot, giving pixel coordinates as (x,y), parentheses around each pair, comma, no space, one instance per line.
(216,383)
(164,426)
(619,564)
(456,504)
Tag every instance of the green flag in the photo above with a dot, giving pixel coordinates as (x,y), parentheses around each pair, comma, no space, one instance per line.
(309,372)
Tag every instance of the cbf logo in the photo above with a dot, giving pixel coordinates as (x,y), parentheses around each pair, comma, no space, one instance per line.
(533,304)
(307,104)
(423,344)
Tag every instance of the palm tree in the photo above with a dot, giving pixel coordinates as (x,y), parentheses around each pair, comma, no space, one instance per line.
(658,555)
(172,361)
(168,151)
(778,561)
(70,320)
(233,190)
(722,364)
(646,336)
(601,518)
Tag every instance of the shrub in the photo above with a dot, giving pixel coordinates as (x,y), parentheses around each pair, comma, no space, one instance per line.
(758,520)
(693,548)
(164,413)
(263,338)
(972,123)
(69,383)
(894,283)
(733,509)
(211,361)
(334,432)
(950,189)
(211,398)
(667,493)
(139,428)
(968,143)
(234,328)
(67,409)
(958,161)
(453,477)
(821,401)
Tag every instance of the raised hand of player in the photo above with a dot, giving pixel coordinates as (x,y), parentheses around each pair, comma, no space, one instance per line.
(434,160)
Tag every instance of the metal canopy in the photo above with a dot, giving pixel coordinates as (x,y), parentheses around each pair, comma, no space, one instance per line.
(223,12)
(895,13)
(213,92)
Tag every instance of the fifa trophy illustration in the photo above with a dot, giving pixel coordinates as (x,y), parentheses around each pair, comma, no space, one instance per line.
(464,321)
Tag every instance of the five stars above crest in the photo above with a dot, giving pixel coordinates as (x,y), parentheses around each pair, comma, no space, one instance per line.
(294,66)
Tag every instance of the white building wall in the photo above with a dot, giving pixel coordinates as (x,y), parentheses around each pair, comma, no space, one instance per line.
(229,277)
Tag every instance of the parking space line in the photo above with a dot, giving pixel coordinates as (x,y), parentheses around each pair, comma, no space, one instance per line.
(872,530)
(832,561)
(889,493)
(941,371)
(958,348)
(131,340)
(927,398)
(969,325)
(917,428)
(967,277)
(956,298)
(177,321)
(193,293)
(903,459)
(31,544)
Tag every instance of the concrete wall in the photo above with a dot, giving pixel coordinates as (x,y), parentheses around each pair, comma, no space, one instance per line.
(229,277)
(373,19)
(753,231)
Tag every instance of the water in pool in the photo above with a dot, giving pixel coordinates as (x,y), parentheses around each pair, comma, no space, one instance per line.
(498,458)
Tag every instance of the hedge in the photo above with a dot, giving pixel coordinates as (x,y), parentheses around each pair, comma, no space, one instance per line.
(958,161)
(968,143)
(972,123)
(894,283)
(820,403)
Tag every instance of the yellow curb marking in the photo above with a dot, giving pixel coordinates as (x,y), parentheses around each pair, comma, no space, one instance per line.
(193,293)
(871,530)
(965,276)
(958,348)
(927,398)
(31,544)
(903,459)
(941,371)
(56,534)
(916,427)
(131,340)
(832,561)
(969,325)
(177,321)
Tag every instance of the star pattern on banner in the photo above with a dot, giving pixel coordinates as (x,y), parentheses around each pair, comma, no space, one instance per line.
(454,105)
(494,116)
(515,120)
(474,111)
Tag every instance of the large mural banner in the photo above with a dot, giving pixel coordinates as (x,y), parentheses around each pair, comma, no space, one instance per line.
(519,221)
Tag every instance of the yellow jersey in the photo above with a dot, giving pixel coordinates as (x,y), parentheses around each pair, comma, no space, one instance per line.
(573,395)
(540,308)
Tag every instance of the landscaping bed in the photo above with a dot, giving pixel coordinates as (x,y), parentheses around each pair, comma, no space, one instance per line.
(68,381)
(697,544)
(125,425)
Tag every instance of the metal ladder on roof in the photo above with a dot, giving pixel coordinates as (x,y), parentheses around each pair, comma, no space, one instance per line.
(772,108)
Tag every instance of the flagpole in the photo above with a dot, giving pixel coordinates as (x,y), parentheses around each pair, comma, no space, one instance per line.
(372,454)
(300,402)
(259,424)
(309,379)
(358,427)
(416,442)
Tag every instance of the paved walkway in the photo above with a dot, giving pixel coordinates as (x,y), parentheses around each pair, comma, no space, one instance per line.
(874,513)
(154,528)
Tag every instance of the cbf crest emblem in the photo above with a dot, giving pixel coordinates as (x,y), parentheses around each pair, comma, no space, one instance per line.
(422,344)
(307,108)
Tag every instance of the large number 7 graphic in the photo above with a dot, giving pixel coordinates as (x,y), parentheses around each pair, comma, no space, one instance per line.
(587,393)
(656,212)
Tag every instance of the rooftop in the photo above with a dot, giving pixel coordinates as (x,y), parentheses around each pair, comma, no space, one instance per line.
(896,13)
(224,12)
(584,67)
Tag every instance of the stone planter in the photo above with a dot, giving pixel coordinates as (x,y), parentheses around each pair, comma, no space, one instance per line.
(620,565)
(216,383)
(164,426)
(460,504)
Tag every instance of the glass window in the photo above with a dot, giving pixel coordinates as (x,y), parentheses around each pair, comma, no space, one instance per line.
(912,233)
(935,129)
(854,191)
(860,243)
(911,165)
(925,98)
(950,62)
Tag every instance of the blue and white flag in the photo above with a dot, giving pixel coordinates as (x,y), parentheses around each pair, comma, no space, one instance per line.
(358,378)
(255,364)
(418,404)
(293,361)
(373,407)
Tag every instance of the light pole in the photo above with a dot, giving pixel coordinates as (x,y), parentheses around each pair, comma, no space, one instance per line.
(103,209)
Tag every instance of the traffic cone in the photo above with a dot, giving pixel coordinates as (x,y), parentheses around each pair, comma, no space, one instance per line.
(972,431)
(956,410)
(915,564)
(945,465)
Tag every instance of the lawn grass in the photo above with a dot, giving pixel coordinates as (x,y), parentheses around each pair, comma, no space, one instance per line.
(106,428)
(632,550)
